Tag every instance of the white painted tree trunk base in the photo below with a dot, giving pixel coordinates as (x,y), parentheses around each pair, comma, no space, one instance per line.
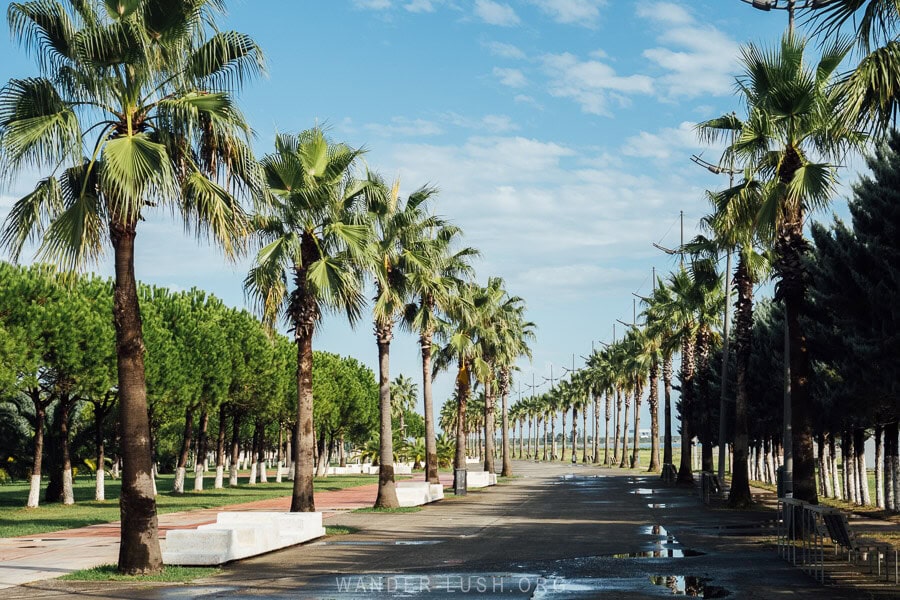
(262,473)
(68,492)
(178,488)
(252,475)
(100,486)
(34,492)
(278,473)
(220,477)
(198,479)
(233,476)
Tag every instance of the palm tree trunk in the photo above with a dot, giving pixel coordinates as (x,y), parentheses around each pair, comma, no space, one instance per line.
(139,551)
(462,400)
(302,499)
(574,434)
(584,425)
(431,459)
(609,404)
(618,425)
(791,249)
(489,446)
(596,446)
(685,469)
(563,456)
(623,462)
(667,409)
(635,451)
(506,470)
(553,455)
(653,401)
(739,496)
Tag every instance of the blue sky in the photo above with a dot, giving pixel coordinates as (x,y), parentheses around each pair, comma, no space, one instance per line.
(558,131)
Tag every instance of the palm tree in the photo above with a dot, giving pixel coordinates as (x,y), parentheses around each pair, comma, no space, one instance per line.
(461,347)
(870,89)
(513,335)
(434,288)
(396,249)
(314,236)
(660,327)
(732,224)
(148,93)
(403,399)
(794,120)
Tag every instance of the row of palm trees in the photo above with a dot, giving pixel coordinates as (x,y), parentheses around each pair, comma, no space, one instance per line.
(134,110)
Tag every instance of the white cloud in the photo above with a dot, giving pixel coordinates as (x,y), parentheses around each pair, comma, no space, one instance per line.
(665,12)
(526,99)
(373,4)
(495,13)
(591,83)
(421,6)
(664,144)
(504,50)
(510,77)
(572,12)
(488,123)
(699,59)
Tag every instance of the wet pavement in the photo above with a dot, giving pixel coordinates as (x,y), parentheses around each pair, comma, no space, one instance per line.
(556,531)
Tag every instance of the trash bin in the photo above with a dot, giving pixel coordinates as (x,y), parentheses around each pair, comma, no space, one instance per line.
(459,482)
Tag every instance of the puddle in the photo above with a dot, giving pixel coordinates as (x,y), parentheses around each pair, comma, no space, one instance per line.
(662,552)
(663,505)
(642,491)
(697,587)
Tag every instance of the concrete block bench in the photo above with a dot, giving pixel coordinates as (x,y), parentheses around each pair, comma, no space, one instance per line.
(417,493)
(480,479)
(240,534)
(402,469)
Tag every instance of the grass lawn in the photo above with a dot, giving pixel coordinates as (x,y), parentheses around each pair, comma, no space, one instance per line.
(399,509)
(170,574)
(16,520)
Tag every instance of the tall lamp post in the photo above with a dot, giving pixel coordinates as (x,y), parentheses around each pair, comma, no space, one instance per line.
(791,6)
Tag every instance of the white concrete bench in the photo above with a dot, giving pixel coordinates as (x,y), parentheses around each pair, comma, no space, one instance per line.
(480,479)
(413,493)
(437,491)
(239,534)
(402,469)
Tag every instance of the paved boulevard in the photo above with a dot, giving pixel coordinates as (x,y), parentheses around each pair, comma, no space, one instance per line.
(555,531)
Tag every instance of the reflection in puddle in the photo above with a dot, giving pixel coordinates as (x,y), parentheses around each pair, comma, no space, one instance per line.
(663,505)
(661,552)
(643,491)
(655,530)
(697,587)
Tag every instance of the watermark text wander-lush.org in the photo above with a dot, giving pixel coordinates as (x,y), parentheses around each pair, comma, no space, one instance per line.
(445,584)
